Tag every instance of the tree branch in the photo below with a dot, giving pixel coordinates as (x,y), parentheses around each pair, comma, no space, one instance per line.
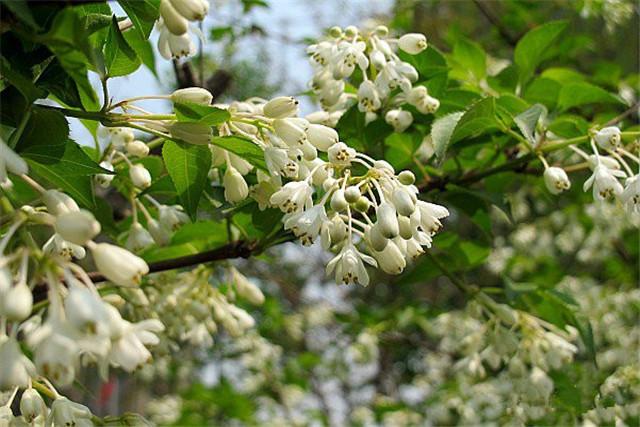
(504,33)
(236,249)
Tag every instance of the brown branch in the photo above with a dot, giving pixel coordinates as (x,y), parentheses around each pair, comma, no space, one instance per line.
(236,249)
(621,117)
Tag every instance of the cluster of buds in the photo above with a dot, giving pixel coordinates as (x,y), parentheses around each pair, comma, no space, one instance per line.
(607,171)
(384,82)
(175,15)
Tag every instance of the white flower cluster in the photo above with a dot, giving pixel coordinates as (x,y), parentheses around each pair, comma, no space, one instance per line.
(175,15)
(608,171)
(387,82)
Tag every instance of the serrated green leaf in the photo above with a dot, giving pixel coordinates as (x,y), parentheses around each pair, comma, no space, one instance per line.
(47,128)
(143,49)
(400,148)
(478,119)
(68,168)
(534,46)
(243,148)
(188,166)
(198,113)
(582,93)
(120,58)
(442,130)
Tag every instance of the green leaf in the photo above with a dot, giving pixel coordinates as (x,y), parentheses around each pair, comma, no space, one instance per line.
(442,130)
(569,126)
(533,48)
(529,119)
(188,166)
(400,148)
(60,84)
(48,128)
(578,94)
(243,148)
(143,49)
(470,58)
(478,119)
(67,167)
(199,113)
(428,63)
(143,14)
(23,83)
(20,9)
(563,75)
(212,231)
(120,58)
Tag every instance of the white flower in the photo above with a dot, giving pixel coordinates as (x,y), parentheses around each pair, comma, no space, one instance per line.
(118,265)
(67,413)
(608,138)
(281,107)
(306,225)
(631,194)
(428,216)
(139,238)
(16,368)
(32,405)
(291,131)
(345,60)
(193,133)
(104,179)
(86,311)
(349,267)
(292,197)
(235,187)
(174,21)
(56,356)
(120,136)
(556,180)
(172,217)
(413,43)
(322,137)
(192,10)
(604,182)
(161,234)
(128,347)
(57,246)
(279,163)
(391,259)
(196,95)
(140,176)
(77,227)
(174,46)
(137,148)
(10,162)
(399,119)
(341,154)
(58,202)
(368,97)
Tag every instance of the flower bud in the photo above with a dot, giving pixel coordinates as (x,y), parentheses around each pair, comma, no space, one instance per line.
(413,43)
(119,265)
(556,180)
(140,176)
(137,148)
(381,30)
(322,137)
(281,107)
(196,95)
(290,131)
(246,288)
(309,152)
(160,234)
(352,194)
(77,227)
(378,59)
(193,133)
(387,220)
(235,187)
(407,177)
(399,119)
(32,405)
(338,201)
(362,204)
(390,259)
(404,225)
(403,202)
(17,303)
(192,10)
(376,239)
(58,202)
(174,21)
(335,32)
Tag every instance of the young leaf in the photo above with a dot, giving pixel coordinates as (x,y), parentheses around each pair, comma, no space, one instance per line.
(243,148)
(188,166)
(529,119)
(198,113)
(120,58)
(533,48)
